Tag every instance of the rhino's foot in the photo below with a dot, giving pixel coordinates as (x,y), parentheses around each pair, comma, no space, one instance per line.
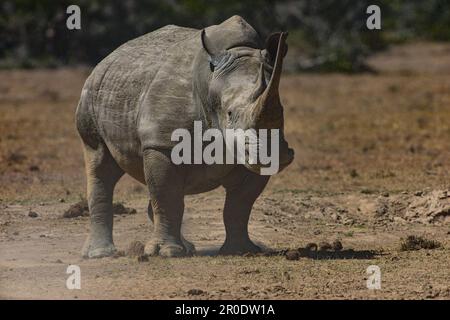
(239,247)
(169,248)
(92,250)
(189,246)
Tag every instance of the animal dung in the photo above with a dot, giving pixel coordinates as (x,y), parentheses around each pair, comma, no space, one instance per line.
(337,245)
(32,214)
(310,246)
(312,250)
(119,209)
(195,292)
(292,255)
(79,209)
(325,246)
(412,243)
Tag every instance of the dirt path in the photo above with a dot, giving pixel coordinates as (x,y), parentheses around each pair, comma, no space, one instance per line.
(35,253)
(371,167)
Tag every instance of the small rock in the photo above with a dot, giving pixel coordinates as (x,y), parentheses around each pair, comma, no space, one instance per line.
(395,258)
(34,168)
(32,214)
(418,193)
(120,209)
(311,246)
(292,255)
(348,222)
(413,242)
(79,209)
(443,195)
(337,245)
(354,173)
(62,200)
(58,261)
(195,292)
(381,208)
(399,220)
(16,233)
(324,246)
(16,157)
(385,194)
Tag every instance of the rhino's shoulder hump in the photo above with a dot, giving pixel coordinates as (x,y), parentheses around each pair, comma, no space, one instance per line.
(165,36)
(137,58)
(118,82)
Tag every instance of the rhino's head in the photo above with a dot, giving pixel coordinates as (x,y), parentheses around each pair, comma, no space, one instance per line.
(243,91)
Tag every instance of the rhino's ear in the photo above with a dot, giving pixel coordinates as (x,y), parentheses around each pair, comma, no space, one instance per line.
(272,46)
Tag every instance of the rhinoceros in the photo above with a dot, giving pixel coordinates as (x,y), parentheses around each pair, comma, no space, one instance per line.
(224,76)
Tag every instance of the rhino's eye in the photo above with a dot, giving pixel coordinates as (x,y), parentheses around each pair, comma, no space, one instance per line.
(220,61)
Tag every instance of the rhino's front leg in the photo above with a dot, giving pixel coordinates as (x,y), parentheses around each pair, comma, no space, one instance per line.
(165,184)
(241,192)
(189,246)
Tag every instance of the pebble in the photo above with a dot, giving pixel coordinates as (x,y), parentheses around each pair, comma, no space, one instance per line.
(292,255)
(32,214)
(195,292)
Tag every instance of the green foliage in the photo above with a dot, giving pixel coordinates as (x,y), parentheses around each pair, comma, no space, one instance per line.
(331,33)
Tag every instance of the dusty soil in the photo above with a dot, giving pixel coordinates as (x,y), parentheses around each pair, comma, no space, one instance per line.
(372,167)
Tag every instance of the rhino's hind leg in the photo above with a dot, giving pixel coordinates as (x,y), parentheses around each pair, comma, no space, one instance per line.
(189,246)
(102,173)
(240,197)
(166,189)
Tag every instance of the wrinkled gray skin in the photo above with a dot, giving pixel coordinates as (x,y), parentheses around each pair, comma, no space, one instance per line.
(164,80)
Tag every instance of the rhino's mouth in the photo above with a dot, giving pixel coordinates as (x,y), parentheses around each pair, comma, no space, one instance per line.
(277,163)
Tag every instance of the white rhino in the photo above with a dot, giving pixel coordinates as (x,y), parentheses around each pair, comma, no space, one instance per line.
(137,96)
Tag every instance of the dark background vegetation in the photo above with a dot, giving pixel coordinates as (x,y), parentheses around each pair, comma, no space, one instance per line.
(326,35)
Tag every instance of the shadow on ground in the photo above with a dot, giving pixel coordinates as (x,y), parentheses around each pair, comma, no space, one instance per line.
(303,253)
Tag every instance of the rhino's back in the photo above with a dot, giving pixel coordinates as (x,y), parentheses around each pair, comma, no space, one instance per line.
(113,90)
(128,68)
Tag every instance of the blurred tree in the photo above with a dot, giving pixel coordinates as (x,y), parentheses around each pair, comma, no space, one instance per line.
(327,35)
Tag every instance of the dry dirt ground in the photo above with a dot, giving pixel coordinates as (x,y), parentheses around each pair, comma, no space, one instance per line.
(372,167)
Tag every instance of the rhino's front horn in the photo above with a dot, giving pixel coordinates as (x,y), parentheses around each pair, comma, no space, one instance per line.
(271,94)
(270,98)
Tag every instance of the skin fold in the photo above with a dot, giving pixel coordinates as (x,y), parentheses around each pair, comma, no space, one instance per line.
(223,76)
